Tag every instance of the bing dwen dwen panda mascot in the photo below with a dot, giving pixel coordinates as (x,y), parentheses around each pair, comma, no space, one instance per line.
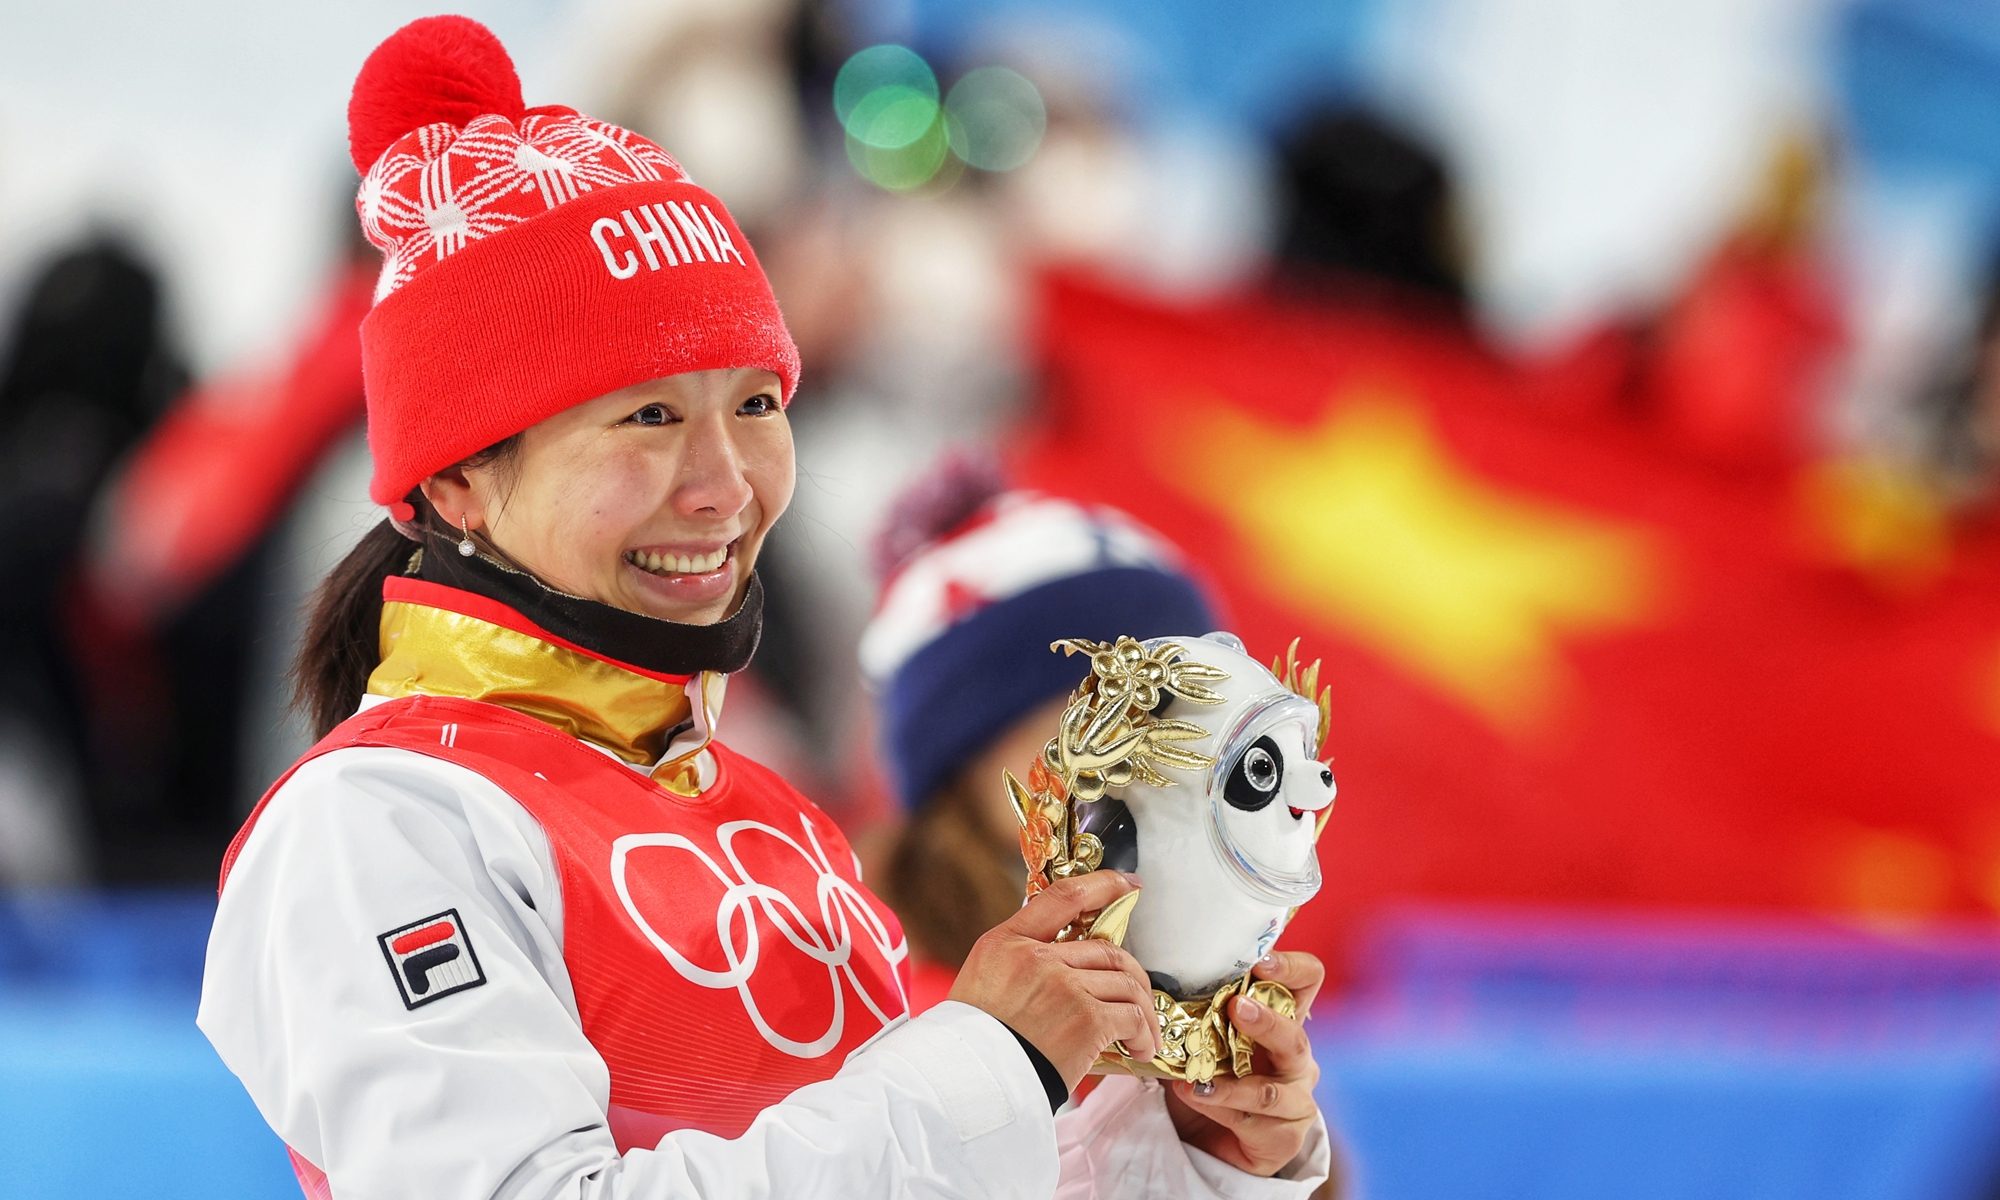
(1187,762)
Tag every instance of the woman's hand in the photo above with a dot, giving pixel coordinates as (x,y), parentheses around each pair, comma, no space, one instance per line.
(1259,1123)
(1070,1000)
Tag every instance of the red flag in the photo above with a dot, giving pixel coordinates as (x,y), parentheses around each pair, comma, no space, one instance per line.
(1570,661)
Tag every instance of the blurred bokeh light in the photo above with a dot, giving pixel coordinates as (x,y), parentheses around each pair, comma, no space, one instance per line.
(898,134)
(994,118)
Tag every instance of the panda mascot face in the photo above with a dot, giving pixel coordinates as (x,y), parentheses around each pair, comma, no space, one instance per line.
(1188,763)
(1226,850)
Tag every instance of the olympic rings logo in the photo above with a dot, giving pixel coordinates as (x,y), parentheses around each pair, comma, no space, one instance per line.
(830,942)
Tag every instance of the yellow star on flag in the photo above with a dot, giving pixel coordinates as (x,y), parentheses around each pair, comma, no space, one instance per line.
(1366,522)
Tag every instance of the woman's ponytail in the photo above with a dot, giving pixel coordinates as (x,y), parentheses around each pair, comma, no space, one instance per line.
(343,637)
(343,640)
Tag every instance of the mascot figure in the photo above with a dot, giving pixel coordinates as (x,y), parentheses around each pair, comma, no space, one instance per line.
(1187,763)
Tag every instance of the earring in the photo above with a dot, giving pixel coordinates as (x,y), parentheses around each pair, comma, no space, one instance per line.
(465,545)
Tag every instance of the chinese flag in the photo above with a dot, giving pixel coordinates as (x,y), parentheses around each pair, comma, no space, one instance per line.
(1570,660)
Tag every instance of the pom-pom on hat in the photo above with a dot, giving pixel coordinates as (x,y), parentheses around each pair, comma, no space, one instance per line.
(958,648)
(437,69)
(533,258)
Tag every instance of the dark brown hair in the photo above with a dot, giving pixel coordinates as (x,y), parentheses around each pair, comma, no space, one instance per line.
(951,877)
(343,636)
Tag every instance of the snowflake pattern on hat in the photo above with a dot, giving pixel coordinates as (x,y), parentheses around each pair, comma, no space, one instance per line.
(440,188)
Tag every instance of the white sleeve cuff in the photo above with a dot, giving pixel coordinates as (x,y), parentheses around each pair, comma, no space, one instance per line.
(990,1094)
(980,1073)
(1296,1180)
(1121,1142)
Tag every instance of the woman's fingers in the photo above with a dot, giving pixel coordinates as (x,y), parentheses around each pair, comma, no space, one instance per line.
(1229,1100)
(1129,1007)
(1263,1145)
(1091,954)
(1282,1039)
(1130,1026)
(1301,974)
(1270,1112)
(1116,977)
(1069,1000)
(1062,902)
(1260,1122)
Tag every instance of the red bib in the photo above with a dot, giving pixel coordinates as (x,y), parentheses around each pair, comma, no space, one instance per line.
(723,949)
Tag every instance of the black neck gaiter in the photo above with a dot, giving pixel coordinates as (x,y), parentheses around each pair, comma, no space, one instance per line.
(649,643)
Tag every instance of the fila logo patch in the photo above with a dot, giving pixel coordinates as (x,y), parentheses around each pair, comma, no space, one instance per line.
(431,958)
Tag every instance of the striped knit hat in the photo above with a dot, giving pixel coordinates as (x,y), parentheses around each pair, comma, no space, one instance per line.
(980,581)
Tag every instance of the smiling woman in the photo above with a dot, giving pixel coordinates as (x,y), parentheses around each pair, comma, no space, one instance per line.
(519,925)
(654,498)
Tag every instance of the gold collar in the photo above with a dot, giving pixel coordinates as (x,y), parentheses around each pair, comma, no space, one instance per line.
(432,650)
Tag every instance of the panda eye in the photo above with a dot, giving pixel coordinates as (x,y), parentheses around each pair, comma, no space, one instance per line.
(1254,781)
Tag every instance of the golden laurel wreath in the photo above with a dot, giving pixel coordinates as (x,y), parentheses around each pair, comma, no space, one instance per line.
(1108,737)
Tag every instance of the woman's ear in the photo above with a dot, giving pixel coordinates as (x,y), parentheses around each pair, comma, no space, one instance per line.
(452,495)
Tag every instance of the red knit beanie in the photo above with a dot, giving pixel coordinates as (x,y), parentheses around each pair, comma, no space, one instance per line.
(533,258)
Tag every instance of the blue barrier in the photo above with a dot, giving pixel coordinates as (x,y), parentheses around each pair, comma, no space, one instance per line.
(1559,1056)
(121,1096)
(107,1089)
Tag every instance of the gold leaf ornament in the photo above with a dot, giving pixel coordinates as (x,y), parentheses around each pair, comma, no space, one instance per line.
(1108,736)
(1197,1038)
(1110,924)
(1304,681)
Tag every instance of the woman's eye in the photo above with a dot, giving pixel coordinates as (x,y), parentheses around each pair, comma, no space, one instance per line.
(652,414)
(758,405)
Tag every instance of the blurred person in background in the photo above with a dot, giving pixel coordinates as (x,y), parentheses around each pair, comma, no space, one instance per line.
(1734,369)
(977,582)
(1364,202)
(524,823)
(244,486)
(91,724)
(141,525)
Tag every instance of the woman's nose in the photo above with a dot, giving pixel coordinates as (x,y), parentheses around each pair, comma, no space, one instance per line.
(711,474)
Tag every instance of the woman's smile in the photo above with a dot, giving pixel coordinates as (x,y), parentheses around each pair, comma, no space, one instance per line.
(684,574)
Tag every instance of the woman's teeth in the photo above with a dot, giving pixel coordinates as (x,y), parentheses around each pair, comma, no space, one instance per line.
(678,564)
